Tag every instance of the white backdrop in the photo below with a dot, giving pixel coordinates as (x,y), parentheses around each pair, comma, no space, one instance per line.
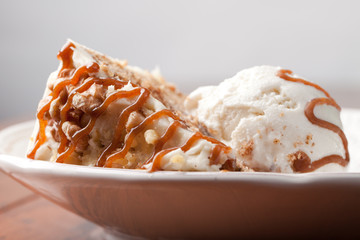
(193,42)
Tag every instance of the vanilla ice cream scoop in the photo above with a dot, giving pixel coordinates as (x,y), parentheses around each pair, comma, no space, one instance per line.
(275,121)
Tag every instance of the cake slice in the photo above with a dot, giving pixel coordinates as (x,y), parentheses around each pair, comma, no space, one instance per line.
(98,111)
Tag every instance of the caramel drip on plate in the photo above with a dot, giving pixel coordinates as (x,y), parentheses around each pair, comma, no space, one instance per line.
(302,162)
(78,80)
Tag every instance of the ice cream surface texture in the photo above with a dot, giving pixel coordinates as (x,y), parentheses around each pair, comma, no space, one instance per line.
(275,121)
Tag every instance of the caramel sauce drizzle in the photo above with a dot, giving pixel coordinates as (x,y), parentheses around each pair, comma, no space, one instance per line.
(73,76)
(135,131)
(104,160)
(214,158)
(169,133)
(284,74)
(94,116)
(82,88)
(65,55)
(188,144)
(303,162)
(157,158)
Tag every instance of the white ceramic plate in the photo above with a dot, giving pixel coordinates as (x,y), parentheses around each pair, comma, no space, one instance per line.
(134,203)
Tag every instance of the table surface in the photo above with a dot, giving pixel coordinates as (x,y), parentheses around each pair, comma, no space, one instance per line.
(26,215)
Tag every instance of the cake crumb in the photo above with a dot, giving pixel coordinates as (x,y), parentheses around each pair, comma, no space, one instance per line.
(246,148)
(308,138)
(298,143)
(151,137)
(177,159)
(135,118)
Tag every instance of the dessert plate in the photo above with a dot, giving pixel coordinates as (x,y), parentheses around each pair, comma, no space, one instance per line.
(186,205)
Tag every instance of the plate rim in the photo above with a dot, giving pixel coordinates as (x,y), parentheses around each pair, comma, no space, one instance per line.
(16,165)
(13,165)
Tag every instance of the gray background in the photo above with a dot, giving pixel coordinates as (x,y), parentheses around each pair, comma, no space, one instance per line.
(193,42)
